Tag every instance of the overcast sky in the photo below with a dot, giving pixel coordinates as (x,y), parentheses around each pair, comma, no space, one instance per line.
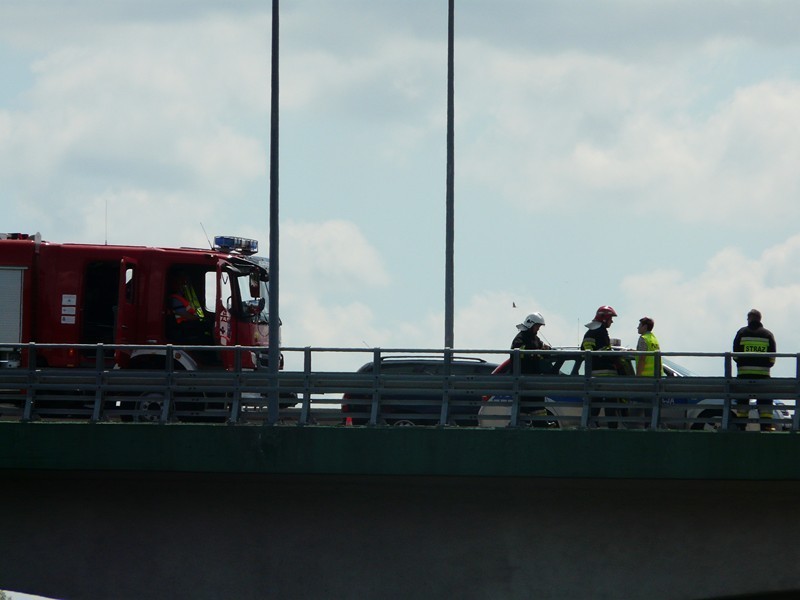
(639,154)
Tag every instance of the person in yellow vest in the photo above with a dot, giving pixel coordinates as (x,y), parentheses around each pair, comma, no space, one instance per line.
(183,301)
(645,363)
(648,342)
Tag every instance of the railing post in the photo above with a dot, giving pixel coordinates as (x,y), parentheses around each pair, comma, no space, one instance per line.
(166,407)
(376,394)
(446,383)
(236,403)
(305,409)
(796,413)
(30,393)
(655,418)
(99,365)
(726,403)
(587,395)
(516,371)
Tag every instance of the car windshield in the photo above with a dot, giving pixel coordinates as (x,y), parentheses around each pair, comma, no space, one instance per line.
(680,370)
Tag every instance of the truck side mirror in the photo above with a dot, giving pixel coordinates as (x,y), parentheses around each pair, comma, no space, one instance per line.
(255,285)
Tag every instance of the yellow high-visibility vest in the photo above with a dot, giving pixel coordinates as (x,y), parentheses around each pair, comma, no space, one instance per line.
(649,368)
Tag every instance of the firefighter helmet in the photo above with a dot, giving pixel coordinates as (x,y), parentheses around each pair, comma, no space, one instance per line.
(604,313)
(531,320)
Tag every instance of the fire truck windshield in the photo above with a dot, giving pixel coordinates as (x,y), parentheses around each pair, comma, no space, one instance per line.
(253,294)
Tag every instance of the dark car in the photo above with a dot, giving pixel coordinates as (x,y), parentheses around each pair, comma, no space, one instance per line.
(419,406)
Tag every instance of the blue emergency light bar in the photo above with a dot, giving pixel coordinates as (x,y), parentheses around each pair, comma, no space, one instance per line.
(228,243)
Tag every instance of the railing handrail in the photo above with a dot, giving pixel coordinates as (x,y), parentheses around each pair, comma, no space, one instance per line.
(33,386)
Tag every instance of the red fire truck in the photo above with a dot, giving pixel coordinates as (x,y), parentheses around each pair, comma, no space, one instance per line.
(133,295)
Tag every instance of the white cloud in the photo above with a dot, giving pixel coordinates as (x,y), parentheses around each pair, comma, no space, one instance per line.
(140,107)
(702,313)
(570,129)
(333,254)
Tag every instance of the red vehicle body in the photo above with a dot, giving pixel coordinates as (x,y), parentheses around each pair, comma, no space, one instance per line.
(101,294)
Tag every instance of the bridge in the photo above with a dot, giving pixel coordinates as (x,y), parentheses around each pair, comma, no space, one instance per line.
(99,503)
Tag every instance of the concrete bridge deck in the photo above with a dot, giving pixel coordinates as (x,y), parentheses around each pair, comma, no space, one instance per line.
(122,511)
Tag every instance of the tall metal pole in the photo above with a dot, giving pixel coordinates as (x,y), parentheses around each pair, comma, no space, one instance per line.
(274,254)
(450,220)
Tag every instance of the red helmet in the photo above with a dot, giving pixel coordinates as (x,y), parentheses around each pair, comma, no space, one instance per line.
(604,313)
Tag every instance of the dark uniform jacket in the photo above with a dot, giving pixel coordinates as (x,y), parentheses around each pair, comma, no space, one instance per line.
(597,339)
(529,363)
(755,339)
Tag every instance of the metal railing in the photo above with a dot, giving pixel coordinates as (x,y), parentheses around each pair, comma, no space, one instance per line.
(395,387)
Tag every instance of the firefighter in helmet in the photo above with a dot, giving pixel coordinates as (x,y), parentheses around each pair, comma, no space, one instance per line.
(597,339)
(527,338)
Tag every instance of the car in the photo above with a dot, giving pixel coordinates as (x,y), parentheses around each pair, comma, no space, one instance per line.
(563,411)
(412,407)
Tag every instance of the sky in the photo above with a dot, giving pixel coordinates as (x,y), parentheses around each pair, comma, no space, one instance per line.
(642,155)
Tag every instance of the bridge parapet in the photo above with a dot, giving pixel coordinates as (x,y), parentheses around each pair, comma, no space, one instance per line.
(568,396)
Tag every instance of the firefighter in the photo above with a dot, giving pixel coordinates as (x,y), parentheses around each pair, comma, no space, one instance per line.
(596,338)
(754,339)
(527,338)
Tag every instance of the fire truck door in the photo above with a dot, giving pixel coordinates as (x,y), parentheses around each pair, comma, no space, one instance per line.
(125,329)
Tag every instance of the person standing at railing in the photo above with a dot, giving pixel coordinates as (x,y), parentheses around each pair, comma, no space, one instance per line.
(755,339)
(648,342)
(645,363)
(596,338)
(527,338)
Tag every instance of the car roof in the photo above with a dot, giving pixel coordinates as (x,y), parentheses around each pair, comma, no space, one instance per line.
(400,361)
(669,365)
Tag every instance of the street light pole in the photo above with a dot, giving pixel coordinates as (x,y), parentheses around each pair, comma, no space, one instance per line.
(274,254)
(450,219)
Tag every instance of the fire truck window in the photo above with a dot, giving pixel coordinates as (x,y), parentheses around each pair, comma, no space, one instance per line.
(187,318)
(210,296)
(252,298)
(129,287)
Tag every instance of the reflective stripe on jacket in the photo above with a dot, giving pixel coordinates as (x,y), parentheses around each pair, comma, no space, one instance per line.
(754,340)
(597,339)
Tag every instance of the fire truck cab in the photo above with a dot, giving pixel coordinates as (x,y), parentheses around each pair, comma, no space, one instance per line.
(136,296)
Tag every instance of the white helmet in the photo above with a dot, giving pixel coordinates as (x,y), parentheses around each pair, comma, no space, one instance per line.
(531,320)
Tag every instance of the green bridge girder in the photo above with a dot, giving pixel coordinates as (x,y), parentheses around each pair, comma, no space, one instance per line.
(433,451)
